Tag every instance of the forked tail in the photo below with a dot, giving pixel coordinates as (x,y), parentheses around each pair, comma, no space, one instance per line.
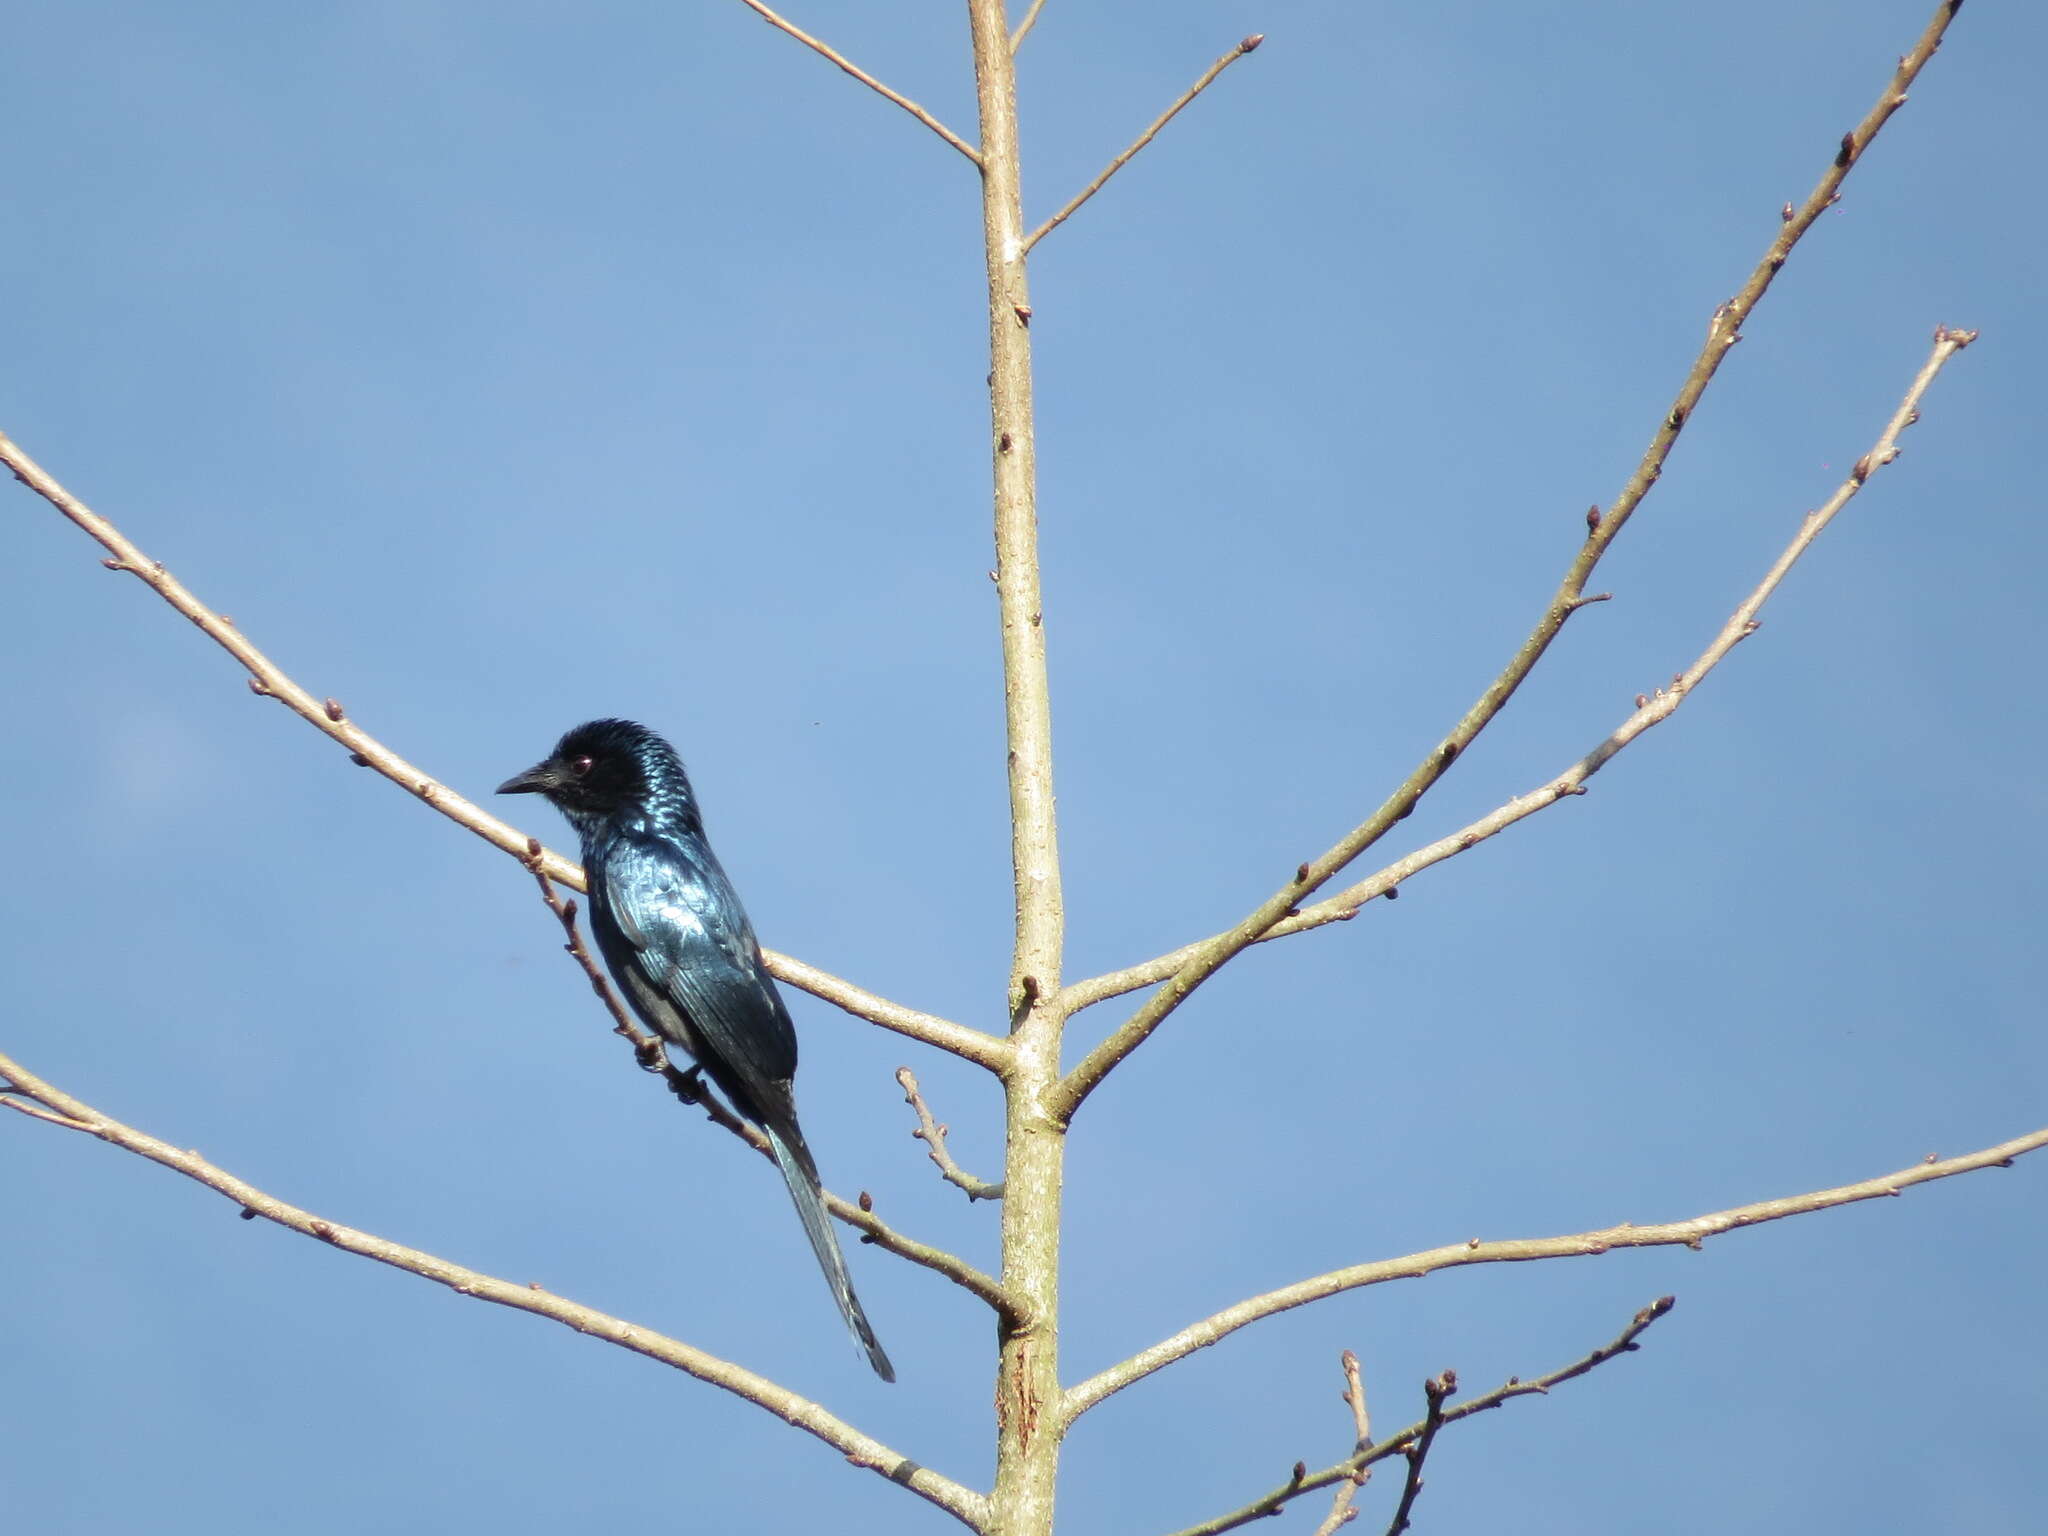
(800,1173)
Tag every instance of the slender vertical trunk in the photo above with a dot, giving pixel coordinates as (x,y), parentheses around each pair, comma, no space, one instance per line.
(1030,1423)
(1027,1381)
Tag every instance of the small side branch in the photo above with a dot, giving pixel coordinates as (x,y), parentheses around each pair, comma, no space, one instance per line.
(1342,1512)
(873,1230)
(269,681)
(1651,709)
(647,1050)
(1024,27)
(12,1098)
(1685,1234)
(689,1087)
(862,1450)
(1208,77)
(1414,1441)
(933,1135)
(1013,1311)
(1434,1392)
(827,51)
(977,1046)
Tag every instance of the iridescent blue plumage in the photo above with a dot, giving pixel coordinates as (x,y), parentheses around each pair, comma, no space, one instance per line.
(678,942)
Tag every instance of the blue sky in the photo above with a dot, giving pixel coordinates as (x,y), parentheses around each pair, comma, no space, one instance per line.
(497,369)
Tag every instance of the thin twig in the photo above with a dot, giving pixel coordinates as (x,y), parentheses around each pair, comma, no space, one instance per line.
(646,1048)
(933,1135)
(866,79)
(863,1450)
(11,1097)
(977,1046)
(1651,709)
(1434,1391)
(689,1087)
(1159,122)
(1722,333)
(1342,1512)
(1012,1309)
(1690,1233)
(268,680)
(1354,1396)
(649,1051)
(1415,1434)
(860,1215)
(1024,27)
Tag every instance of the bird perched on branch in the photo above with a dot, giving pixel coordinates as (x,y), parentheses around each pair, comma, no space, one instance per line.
(677,941)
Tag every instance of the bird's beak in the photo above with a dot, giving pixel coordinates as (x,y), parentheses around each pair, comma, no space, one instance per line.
(537,780)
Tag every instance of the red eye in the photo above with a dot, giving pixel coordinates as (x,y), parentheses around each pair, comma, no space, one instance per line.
(580,766)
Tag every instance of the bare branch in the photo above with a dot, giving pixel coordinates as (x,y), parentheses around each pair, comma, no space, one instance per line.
(647,1050)
(866,79)
(268,680)
(1723,332)
(863,1450)
(688,1086)
(1012,1309)
(1354,1397)
(10,1097)
(1689,1234)
(984,1050)
(1024,27)
(1434,1391)
(873,1230)
(1651,710)
(1411,1442)
(1159,122)
(933,1135)
(1342,1512)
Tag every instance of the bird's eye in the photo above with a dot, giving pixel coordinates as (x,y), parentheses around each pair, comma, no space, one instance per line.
(580,766)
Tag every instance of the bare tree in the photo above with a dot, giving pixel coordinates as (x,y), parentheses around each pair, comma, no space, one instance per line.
(1046,1079)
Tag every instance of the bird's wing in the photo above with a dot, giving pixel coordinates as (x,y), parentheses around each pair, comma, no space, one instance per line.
(673,930)
(691,943)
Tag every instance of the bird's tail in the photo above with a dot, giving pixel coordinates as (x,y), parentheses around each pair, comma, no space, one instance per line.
(800,1173)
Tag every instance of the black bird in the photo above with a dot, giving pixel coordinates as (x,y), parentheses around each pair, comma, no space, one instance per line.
(677,941)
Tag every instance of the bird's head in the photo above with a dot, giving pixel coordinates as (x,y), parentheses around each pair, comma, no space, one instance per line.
(605,768)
